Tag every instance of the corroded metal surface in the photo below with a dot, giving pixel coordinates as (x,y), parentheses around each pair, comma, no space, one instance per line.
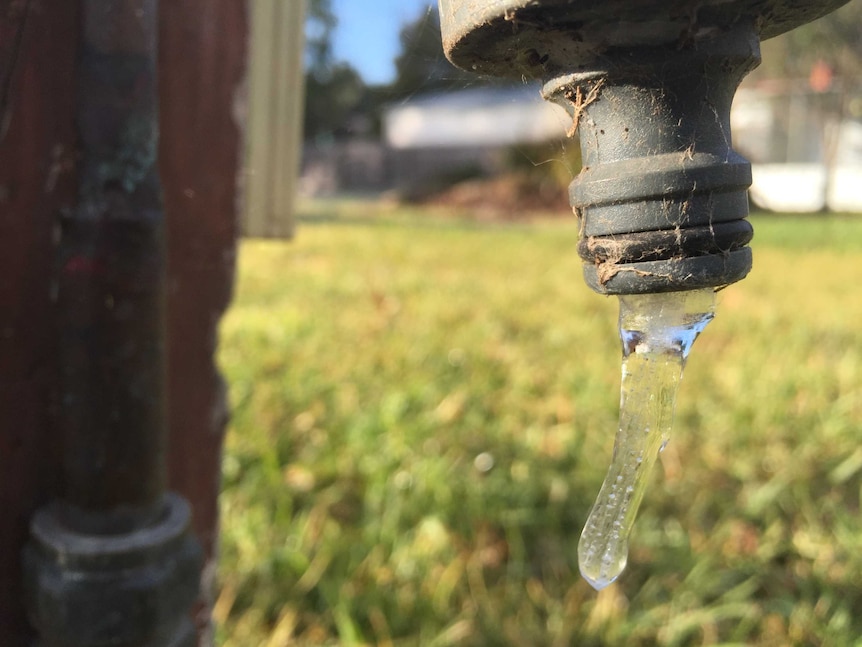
(111,281)
(662,195)
(127,589)
(537,38)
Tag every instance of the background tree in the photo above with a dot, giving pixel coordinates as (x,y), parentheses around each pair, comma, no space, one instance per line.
(331,100)
(334,90)
(422,66)
(319,26)
(336,95)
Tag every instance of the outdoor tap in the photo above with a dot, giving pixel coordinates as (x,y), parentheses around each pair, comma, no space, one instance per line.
(662,196)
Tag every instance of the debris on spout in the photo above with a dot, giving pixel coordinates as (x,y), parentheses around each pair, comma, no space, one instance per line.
(579,102)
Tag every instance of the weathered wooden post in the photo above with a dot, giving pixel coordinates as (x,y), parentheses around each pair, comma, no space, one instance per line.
(111,561)
(43,171)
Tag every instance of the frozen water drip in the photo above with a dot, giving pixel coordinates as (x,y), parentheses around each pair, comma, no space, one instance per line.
(657,332)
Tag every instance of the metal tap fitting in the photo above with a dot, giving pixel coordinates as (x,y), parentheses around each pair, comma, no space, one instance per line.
(662,196)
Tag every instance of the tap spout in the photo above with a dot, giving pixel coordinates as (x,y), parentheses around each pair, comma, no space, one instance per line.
(662,196)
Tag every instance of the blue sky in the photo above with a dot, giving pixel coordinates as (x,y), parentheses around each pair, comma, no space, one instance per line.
(367,33)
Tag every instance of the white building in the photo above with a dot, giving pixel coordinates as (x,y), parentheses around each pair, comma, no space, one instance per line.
(477,117)
(781,129)
(778,128)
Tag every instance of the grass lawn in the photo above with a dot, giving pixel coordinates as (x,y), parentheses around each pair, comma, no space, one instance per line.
(424,410)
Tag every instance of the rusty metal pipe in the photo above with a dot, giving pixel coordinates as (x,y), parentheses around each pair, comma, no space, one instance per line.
(111,283)
(112,562)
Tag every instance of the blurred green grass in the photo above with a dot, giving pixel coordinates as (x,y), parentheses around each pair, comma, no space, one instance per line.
(424,409)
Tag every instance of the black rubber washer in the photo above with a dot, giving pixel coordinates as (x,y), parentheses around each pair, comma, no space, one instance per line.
(666,243)
(672,275)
